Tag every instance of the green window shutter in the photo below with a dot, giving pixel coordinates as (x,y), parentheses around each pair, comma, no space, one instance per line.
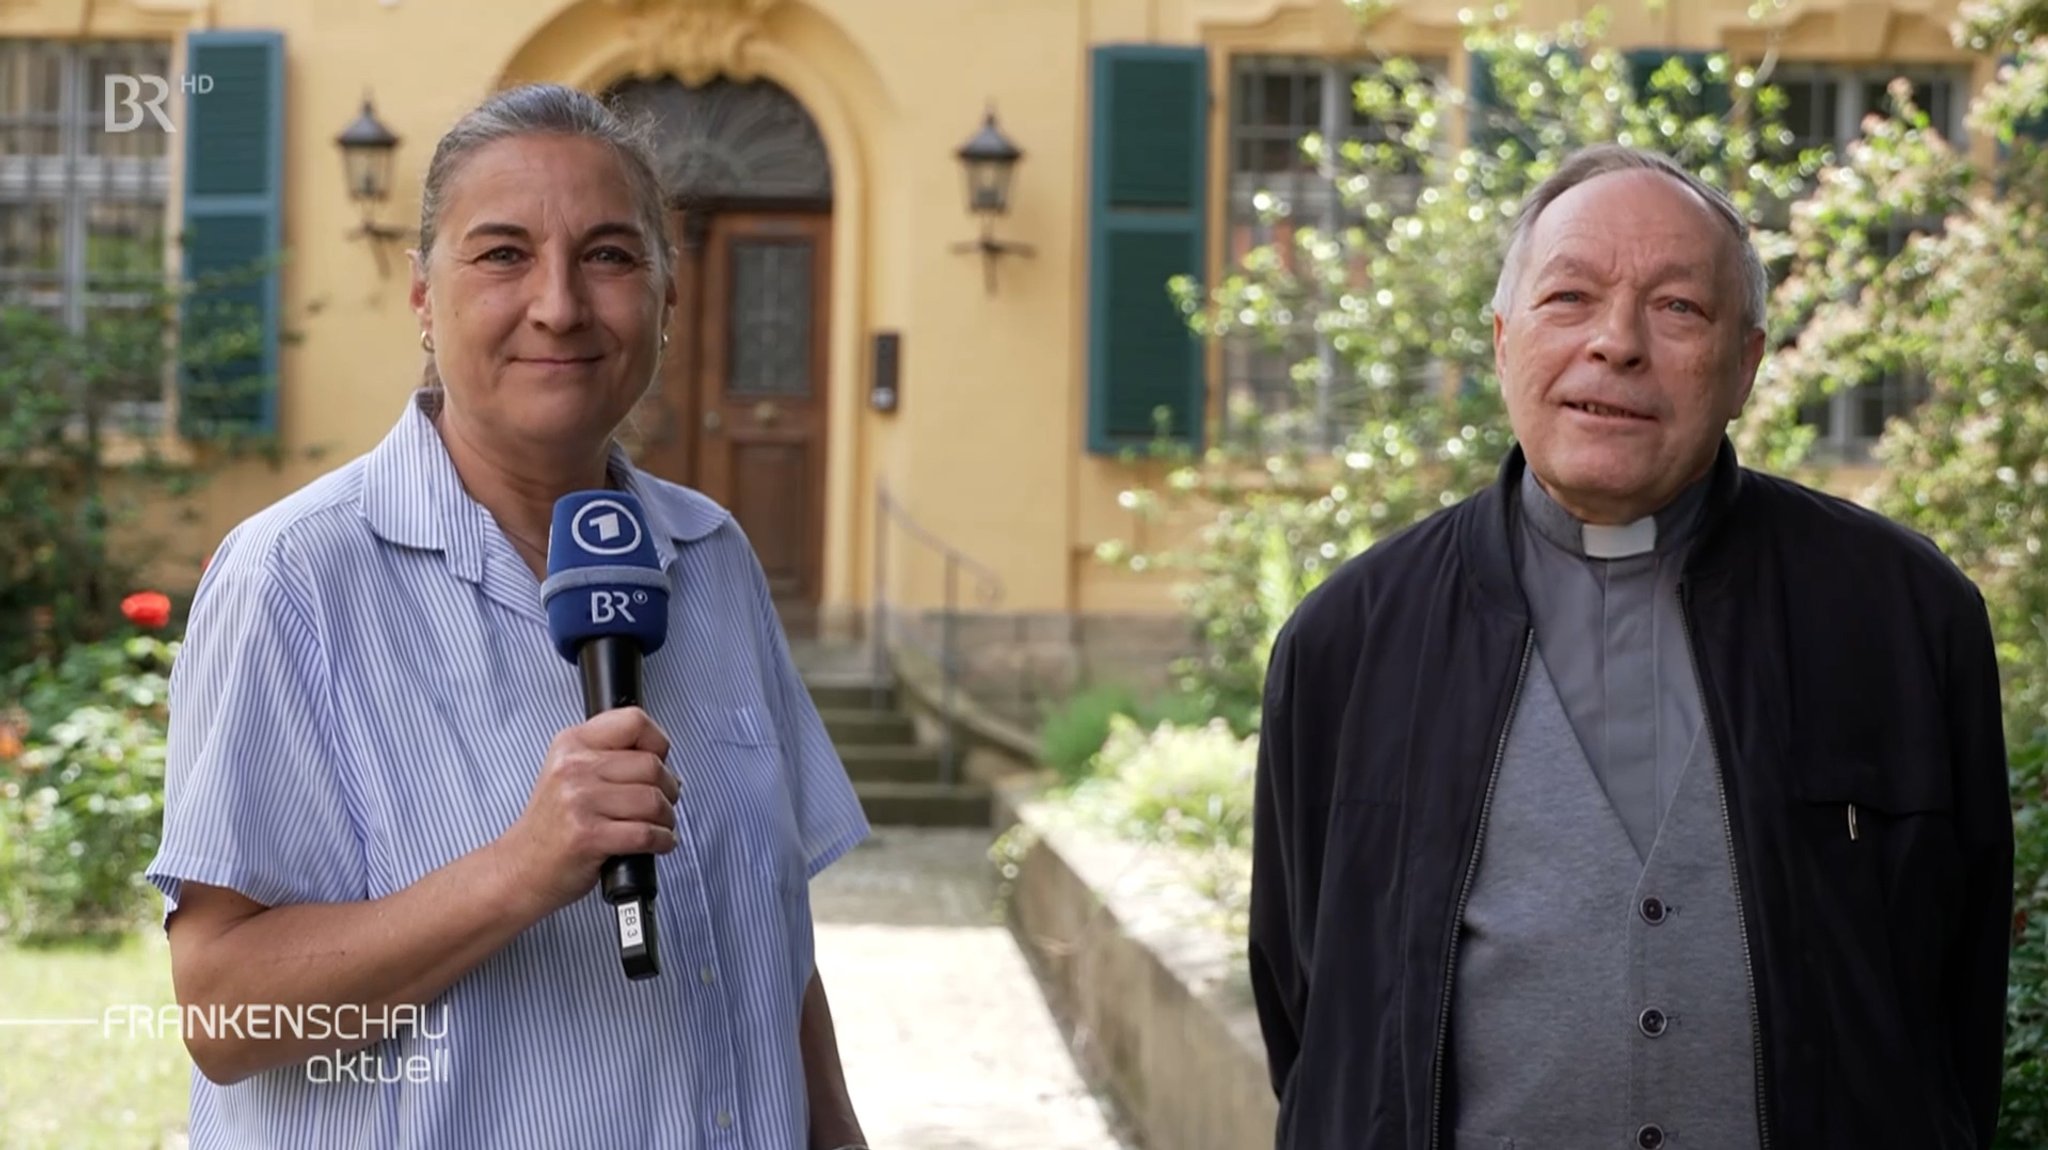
(1148,203)
(1714,99)
(233,233)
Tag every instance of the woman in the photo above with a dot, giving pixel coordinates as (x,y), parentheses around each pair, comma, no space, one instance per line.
(384,813)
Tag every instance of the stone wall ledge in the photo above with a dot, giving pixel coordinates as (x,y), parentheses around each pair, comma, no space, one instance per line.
(1152,1001)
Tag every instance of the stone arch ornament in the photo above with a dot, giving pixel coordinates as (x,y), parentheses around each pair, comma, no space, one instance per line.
(695,39)
(730,140)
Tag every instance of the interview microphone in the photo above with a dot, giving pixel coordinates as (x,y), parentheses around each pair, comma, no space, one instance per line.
(607,604)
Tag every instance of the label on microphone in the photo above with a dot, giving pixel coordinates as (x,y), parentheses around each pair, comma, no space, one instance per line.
(629,924)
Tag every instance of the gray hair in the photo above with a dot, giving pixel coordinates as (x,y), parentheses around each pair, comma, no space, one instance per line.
(553,110)
(1601,159)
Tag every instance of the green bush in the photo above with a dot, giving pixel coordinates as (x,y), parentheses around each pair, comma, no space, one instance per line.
(130,671)
(81,805)
(1073,732)
(1182,786)
(77,535)
(1187,789)
(2023,1121)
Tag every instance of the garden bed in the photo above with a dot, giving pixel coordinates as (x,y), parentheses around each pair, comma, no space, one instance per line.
(1153,999)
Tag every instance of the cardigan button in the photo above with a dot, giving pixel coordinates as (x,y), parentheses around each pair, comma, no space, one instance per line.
(1652,1022)
(1650,1137)
(1653,910)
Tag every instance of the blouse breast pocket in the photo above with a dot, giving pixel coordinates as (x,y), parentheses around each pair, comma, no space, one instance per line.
(744,788)
(744,792)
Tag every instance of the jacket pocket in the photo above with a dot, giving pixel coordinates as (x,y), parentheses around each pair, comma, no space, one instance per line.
(1889,827)
(1876,899)
(1889,824)
(1900,786)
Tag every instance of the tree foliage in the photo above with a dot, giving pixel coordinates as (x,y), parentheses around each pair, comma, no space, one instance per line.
(84,440)
(1399,298)
(1396,304)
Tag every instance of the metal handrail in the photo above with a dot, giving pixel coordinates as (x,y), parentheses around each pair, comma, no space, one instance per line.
(989,588)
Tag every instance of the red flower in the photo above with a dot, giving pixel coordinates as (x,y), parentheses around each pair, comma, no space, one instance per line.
(151,609)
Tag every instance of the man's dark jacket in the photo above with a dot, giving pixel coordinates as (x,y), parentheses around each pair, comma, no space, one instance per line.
(1844,662)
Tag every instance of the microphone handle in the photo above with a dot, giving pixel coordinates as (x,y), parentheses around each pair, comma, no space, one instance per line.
(611,680)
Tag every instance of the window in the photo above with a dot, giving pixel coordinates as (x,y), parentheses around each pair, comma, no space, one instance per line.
(1825,108)
(1292,393)
(82,210)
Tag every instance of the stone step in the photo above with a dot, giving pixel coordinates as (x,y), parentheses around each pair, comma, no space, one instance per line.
(831,659)
(861,727)
(850,694)
(925,804)
(891,764)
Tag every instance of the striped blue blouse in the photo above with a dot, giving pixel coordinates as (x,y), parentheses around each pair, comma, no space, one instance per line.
(366,693)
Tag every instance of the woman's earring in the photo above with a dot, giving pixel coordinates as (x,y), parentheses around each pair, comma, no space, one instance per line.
(427,342)
(664,339)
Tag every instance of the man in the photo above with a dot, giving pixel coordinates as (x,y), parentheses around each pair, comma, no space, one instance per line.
(1639,800)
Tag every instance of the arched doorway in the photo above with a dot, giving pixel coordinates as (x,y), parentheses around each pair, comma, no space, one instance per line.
(740,410)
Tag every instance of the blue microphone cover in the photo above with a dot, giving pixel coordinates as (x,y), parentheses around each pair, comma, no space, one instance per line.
(604,576)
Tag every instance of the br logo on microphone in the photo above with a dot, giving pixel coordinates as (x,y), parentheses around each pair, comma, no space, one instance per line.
(605,606)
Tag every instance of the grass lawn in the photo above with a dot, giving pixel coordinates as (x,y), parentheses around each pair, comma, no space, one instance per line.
(90,1086)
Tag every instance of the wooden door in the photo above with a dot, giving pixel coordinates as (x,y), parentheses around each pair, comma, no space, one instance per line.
(662,434)
(762,388)
(739,409)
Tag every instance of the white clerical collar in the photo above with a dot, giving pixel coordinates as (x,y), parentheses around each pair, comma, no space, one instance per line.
(1601,541)
(1667,527)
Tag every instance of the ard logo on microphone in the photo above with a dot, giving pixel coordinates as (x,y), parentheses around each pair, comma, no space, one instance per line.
(605,527)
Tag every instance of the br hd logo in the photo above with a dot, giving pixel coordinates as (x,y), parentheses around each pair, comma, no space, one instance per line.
(124,103)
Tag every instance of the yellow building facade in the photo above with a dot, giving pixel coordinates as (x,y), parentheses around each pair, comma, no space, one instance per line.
(841,335)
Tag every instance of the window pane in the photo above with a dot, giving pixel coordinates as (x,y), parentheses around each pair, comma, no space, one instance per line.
(1809,111)
(1941,108)
(31,78)
(82,211)
(1819,416)
(771,319)
(23,138)
(31,98)
(1308,96)
(124,242)
(1270,395)
(1278,104)
(1275,107)
(1892,396)
(1280,154)
(31,239)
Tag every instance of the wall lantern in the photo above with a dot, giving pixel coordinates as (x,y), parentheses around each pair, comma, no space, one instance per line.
(366,148)
(990,160)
